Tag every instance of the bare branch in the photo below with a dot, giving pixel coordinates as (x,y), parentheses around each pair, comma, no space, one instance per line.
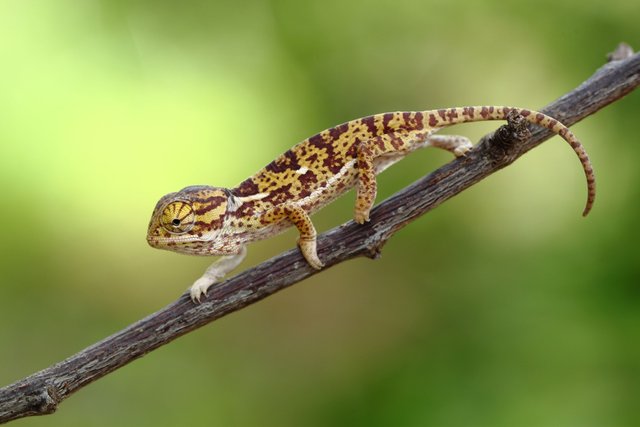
(43,391)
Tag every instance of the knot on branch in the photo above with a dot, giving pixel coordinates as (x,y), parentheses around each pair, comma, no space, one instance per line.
(44,402)
(502,147)
(374,251)
(622,51)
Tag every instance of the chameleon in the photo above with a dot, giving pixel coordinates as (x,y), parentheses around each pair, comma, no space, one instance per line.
(206,220)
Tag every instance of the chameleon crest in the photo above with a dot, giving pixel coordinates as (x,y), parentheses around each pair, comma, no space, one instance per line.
(203,220)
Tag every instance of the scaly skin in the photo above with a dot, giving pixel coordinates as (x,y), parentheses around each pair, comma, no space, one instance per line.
(203,220)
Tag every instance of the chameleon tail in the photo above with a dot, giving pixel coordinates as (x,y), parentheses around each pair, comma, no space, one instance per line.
(451,116)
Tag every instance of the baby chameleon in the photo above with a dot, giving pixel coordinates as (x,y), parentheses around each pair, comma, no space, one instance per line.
(203,220)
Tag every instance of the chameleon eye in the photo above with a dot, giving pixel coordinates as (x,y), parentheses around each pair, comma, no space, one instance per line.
(178,217)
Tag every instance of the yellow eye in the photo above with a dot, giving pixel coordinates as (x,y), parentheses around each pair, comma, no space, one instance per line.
(178,217)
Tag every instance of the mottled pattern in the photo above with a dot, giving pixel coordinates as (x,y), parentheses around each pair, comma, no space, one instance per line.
(217,221)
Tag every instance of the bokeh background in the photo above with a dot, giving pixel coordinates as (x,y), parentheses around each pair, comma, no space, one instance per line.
(503,307)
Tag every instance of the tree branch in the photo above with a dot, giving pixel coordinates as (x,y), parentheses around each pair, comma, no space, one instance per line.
(43,391)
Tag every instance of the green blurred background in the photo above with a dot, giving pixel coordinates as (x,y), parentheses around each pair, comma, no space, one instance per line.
(502,307)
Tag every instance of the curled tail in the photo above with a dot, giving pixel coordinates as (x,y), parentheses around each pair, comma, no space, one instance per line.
(451,116)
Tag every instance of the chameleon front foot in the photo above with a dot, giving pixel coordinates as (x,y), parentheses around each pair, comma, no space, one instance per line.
(200,287)
(215,273)
(308,249)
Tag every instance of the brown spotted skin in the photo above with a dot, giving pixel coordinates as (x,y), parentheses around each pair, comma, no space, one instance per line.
(217,221)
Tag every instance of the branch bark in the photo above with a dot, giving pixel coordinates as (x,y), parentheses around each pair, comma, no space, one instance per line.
(42,392)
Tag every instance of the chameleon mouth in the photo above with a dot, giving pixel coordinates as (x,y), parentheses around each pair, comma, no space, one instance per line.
(164,241)
(192,245)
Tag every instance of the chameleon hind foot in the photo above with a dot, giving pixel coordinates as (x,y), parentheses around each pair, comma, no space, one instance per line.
(455,144)
(360,216)
(366,187)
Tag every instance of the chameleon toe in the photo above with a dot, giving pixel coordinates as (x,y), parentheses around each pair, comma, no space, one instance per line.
(199,288)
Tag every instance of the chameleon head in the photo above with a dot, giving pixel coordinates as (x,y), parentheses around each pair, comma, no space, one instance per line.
(189,221)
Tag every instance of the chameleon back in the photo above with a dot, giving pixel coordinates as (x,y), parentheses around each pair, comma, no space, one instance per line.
(323,167)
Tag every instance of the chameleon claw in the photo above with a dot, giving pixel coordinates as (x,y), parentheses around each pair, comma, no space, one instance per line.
(463,149)
(215,273)
(361,217)
(316,263)
(308,249)
(458,152)
(200,288)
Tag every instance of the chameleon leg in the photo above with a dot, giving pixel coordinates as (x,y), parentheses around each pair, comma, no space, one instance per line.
(367,187)
(455,144)
(215,272)
(393,147)
(396,147)
(299,218)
